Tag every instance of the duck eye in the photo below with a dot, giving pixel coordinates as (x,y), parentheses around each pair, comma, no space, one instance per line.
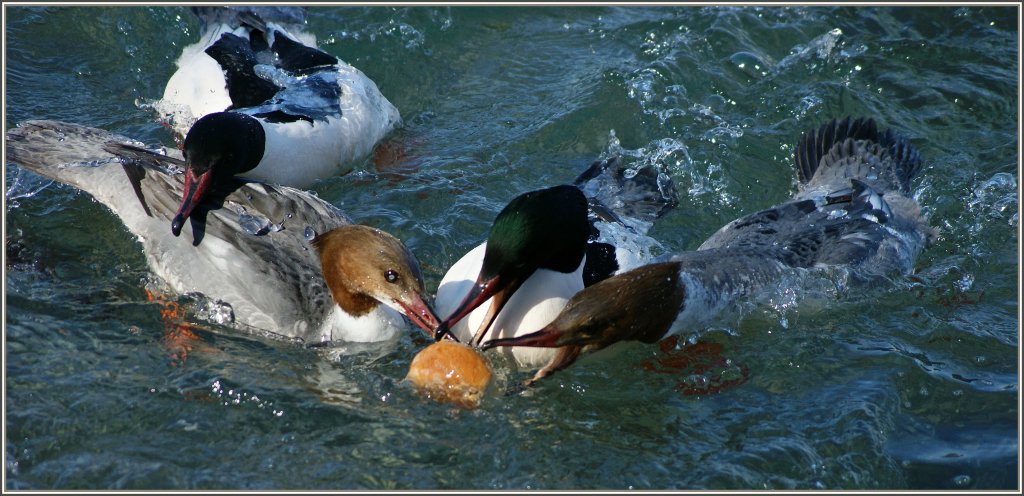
(390,276)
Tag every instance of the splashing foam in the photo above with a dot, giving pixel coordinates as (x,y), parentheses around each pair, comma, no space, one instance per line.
(237,398)
(174,116)
(216,311)
(409,36)
(799,292)
(995,198)
(21,188)
(672,157)
(823,46)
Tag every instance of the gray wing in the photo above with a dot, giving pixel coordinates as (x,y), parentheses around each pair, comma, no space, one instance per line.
(254,225)
(855,227)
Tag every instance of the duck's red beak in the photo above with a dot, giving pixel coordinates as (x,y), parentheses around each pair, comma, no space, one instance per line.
(497,287)
(421,314)
(548,337)
(195,189)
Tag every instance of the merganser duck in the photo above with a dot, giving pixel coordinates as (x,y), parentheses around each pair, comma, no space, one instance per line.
(545,246)
(853,210)
(284,260)
(258,102)
(199,86)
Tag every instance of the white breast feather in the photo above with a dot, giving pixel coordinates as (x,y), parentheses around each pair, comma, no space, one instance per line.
(537,302)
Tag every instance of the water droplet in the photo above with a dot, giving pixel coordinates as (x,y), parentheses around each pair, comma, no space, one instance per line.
(216,311)
(965,282)
(253,225)
(277,76)
(962,481)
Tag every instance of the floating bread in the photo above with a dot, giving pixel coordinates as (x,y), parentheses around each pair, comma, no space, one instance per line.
(451,372)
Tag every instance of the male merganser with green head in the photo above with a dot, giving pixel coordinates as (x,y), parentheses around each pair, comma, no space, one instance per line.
(255,98)
(545,246)
(853,210)
(282,260)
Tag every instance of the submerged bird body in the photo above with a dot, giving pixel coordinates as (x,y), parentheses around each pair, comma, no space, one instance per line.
(544,247)
(853,212)
(259,248)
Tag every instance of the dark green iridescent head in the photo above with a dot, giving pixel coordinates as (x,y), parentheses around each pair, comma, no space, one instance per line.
(546,228)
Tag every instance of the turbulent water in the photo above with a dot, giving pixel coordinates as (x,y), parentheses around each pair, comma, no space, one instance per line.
(911,385)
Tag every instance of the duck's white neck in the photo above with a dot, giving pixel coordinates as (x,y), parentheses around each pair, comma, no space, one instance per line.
(380,324)
(714,279)
(535,304)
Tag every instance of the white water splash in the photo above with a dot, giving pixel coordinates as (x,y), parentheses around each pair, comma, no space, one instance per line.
(277,76)
(21,189)
(174,116)
(822,47)
(237,397)
(995,198)
(216,311)
(704,179)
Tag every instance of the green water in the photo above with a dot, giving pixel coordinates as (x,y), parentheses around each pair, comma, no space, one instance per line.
(908,386)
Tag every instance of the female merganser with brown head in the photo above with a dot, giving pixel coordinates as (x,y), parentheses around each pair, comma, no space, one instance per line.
(545,246)
(285,261)
(854,210)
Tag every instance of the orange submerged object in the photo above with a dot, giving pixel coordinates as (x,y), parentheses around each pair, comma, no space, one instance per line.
(452,372)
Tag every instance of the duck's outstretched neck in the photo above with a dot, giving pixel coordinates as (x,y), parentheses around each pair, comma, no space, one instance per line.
(852,212)
(717,277)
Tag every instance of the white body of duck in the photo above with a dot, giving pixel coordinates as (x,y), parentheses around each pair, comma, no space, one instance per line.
(853,212)
(614,240)
(258,252)
(199,86)
(319,114)
(534,305)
